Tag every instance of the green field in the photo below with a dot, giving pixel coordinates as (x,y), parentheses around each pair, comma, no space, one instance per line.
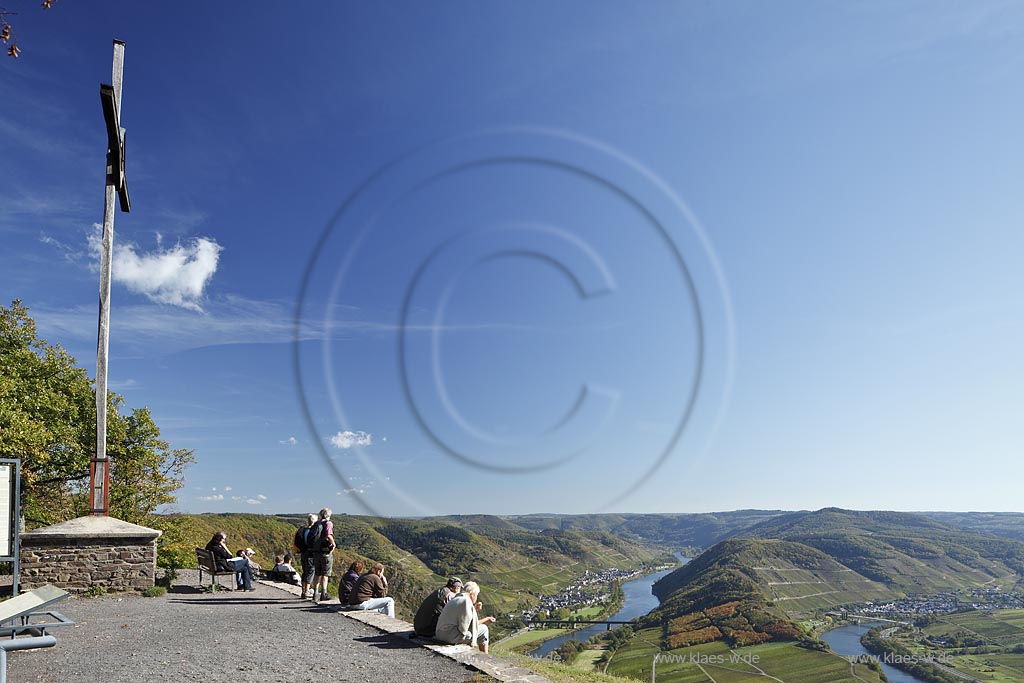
(531,637)
(560,673)
(716,663)
(587,660)
(1001,627)
(998,668)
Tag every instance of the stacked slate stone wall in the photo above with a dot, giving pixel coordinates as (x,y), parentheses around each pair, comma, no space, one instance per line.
(76,565)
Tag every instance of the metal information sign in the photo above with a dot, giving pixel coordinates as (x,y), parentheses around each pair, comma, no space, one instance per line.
(10,516)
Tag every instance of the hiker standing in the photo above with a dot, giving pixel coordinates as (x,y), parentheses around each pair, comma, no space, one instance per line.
(320,540)
(305,554)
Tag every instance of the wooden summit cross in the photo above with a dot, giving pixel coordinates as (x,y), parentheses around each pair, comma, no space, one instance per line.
(99,473)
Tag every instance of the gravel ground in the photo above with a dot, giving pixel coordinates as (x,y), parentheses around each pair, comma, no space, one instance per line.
(223,637)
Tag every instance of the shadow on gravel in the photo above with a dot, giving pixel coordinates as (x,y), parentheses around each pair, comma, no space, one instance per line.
(228,601)
(388,642)
(310,607)
(180,589)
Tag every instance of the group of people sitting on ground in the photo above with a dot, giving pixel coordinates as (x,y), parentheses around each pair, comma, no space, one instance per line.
(449,614)
(283,570)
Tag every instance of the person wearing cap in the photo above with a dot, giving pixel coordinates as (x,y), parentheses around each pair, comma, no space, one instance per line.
(254,568)
(458,622)
(425,621)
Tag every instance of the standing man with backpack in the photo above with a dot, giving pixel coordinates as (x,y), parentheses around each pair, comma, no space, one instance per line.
(305,553)
(320,540)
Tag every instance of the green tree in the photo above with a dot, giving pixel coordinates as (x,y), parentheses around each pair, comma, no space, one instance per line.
(48,417)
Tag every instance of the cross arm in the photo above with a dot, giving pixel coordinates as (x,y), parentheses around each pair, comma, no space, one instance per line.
(115,143)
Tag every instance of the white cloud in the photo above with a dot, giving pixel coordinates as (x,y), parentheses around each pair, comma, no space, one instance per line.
(261,496)
(216,496)
(227,488)
(253,501)
(176,275)
(290,441)
(236,498)
(349,439)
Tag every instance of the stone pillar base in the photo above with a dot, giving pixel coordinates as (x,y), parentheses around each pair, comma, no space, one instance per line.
(89,552)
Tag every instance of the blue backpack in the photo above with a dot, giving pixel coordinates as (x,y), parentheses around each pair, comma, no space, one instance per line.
(315,537)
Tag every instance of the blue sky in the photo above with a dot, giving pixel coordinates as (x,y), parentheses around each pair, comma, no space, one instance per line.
(525,257)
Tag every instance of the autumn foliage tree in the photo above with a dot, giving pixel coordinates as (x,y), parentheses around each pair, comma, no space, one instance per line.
(48,419)
(7,31)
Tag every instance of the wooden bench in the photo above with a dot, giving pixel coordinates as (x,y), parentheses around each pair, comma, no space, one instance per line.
(208,563)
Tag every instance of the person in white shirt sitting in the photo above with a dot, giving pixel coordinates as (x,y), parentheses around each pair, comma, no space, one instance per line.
(459,623)
(284,570)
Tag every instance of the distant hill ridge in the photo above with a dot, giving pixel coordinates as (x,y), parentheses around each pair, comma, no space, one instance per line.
(745,588)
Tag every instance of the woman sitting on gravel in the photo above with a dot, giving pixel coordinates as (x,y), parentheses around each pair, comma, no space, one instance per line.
(348,580)
(227,562)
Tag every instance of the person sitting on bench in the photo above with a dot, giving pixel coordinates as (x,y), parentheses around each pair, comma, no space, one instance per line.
(227,562)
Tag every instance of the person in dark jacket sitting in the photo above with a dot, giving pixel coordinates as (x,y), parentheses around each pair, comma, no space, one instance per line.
(425,621)
(227,562)
(348,581)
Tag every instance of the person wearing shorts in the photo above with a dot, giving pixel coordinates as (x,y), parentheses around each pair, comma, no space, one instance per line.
(323,559)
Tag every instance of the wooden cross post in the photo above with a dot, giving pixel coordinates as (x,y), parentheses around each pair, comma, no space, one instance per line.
(110,95)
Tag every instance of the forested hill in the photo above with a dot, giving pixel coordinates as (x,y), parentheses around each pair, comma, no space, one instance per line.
(745,589)
(700,530)
(1005,524)
(907,552)
(512,564)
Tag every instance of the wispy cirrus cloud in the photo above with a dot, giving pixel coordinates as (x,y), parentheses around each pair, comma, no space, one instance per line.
(223,320)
